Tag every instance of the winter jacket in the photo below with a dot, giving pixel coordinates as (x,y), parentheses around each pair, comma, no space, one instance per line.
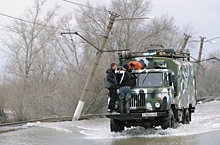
(126,79)
(110,80)
(137,65)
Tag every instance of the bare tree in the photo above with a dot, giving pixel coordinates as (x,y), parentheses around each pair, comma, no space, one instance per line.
(135,34)
(208,84)
(31,59)
(3,99)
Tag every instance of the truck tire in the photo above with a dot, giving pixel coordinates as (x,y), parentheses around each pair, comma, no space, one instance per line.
(168,121)
(186,117)
(116,125)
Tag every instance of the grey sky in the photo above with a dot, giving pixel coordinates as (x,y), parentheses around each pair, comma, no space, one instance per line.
(203,14)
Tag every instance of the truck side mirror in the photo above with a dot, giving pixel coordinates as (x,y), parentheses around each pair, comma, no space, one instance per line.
(166,79)
(172,78)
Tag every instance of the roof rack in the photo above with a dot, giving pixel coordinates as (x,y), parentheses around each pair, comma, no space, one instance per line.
(155,53)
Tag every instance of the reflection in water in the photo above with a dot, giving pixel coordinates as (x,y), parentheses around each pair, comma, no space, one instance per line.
(178,140)
(208,138)
(204,129)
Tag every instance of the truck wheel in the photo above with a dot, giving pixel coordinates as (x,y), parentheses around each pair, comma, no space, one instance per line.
(186,117)
(168,121)
(116,125)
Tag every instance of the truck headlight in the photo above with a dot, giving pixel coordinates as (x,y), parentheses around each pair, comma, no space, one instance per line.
(157,105)
(116,106)
(118,92)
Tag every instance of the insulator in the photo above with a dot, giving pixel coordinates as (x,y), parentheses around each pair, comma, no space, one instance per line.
(126,54)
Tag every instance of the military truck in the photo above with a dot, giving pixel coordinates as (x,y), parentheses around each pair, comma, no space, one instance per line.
(164,92)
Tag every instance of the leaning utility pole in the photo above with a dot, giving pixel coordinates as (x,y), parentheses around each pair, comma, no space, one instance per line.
(185,42)
(199,58)
(94,67)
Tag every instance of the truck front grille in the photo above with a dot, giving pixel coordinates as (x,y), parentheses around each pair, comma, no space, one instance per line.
(137,100)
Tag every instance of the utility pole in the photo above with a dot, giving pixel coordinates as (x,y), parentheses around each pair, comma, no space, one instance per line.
(199,58)
(94,67)
(184,42)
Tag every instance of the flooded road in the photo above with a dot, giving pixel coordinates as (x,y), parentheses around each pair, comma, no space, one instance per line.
(204,129)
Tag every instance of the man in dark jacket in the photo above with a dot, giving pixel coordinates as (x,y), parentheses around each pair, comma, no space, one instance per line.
(125,88)
(111,84)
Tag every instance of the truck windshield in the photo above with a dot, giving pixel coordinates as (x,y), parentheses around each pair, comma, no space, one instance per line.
(150,80)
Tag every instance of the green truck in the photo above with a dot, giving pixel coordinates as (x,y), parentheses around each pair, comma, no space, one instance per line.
(164,92)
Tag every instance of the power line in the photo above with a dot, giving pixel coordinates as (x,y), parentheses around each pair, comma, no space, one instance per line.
(3,34)
(214,43)
(206,50)
(77,4)
(205,40)
(213,38)
(12,17)
(212,54)
(2,25)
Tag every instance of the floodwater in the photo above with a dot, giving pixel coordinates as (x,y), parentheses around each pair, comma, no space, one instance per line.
(204,129)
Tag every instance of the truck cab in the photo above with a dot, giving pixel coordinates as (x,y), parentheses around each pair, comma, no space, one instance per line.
(152,90)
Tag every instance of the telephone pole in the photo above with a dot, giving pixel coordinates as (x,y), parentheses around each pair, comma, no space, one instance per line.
(199,58)
(184,42)
(94,67)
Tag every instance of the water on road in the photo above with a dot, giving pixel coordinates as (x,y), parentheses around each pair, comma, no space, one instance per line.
(204,129)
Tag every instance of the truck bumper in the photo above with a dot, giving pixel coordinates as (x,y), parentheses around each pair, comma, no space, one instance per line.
(135,116)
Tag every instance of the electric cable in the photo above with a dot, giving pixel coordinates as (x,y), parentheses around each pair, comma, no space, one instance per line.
(15,18)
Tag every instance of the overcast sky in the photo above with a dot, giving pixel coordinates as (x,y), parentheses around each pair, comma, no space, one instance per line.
(204,15)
